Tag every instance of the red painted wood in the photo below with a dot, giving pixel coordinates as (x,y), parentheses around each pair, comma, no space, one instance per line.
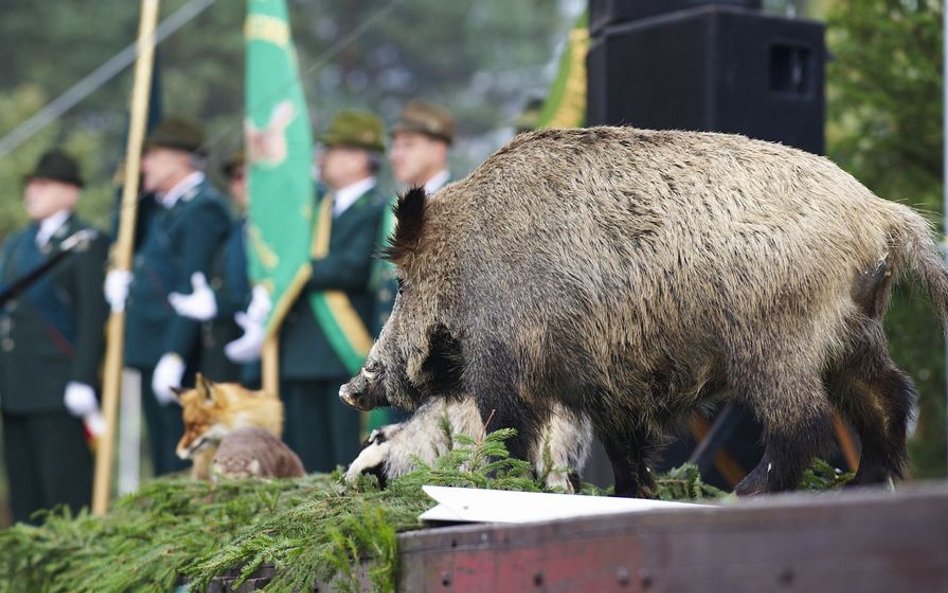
(859,542)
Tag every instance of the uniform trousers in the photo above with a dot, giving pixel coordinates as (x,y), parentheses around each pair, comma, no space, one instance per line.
(165,429)
(322,430)
(48,463)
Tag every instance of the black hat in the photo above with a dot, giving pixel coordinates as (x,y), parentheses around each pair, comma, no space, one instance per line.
(57,166)
(178,133)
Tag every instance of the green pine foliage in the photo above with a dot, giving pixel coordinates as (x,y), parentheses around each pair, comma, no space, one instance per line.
(823,476)
(308,528)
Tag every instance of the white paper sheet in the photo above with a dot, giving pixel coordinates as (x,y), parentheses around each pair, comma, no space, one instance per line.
(501,506)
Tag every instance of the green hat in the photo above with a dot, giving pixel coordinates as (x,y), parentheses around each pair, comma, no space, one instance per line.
(236,160)
(178,133)
(57,166)
(356,129)
(426,118)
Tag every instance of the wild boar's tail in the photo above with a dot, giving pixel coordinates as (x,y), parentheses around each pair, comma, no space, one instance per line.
(915,248)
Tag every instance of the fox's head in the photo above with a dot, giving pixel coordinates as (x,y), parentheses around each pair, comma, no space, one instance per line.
(206,417)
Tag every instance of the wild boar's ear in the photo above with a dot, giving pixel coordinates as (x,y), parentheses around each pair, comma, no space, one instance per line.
(410,217)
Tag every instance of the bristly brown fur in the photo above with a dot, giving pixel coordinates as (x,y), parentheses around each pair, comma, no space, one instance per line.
(410,214)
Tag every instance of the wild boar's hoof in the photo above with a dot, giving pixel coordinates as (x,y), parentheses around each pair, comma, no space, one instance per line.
(753,483)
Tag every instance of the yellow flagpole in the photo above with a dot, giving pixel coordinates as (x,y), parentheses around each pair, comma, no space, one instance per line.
(122,254)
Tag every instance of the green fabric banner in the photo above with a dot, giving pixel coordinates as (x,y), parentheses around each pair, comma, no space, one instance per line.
(279,147)
(565,106)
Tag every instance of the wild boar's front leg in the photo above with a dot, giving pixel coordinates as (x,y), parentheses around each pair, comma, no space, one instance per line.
(492,379)
(628,453)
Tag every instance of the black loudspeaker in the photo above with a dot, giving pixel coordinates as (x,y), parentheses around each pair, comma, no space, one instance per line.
(712,68)
(604,13)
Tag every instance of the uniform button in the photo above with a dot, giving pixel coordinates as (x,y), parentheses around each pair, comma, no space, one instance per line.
(7,344)
(216,283)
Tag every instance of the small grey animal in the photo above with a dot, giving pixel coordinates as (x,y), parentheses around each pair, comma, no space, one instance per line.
(251,452)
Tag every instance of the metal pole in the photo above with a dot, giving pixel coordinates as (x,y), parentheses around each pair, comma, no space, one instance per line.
(130,432)
(122,254)
(944,185)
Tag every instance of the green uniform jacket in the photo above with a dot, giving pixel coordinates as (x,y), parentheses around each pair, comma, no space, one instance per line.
(231,285)
(177,242)
(53,332)
(305,352)
(383,281)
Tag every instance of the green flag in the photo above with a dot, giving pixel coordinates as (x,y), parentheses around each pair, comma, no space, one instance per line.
(565,107)
(279,148)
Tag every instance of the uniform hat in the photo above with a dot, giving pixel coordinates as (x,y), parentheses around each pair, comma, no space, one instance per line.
(57,166)
(426,118)
(178,133)
(356,129)
(236,160)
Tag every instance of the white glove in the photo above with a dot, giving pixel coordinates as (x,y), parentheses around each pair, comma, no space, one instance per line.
(95,424)
(80,399)
(247,347)
(200,304)
(116,289)
(168,374)
(260,305)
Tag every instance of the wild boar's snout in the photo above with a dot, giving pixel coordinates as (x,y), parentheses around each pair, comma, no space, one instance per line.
(361,392)
(349,393)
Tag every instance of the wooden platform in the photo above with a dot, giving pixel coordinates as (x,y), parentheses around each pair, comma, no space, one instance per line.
(858,541)
(869,541)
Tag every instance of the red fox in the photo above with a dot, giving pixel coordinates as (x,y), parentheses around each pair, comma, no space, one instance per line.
(212,410)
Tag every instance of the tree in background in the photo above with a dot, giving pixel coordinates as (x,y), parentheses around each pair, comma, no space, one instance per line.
(480,59)
(884,126)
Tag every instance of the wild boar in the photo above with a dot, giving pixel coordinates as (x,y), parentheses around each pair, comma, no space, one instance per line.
(392,451)
(632,275)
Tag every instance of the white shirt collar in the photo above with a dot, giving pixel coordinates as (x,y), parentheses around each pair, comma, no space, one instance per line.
(437,181)
(347,195)
(171,197)
(49,225)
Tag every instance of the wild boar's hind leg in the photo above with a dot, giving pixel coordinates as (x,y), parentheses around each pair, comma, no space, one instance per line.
(876,396)
(792,405)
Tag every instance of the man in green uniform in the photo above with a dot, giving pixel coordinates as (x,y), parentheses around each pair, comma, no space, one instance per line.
(218,302)
(331,315)
(178,241)
(420,142)
(51,344)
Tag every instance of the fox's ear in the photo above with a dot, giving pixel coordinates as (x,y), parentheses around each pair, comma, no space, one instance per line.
(205,385)
(177,391)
